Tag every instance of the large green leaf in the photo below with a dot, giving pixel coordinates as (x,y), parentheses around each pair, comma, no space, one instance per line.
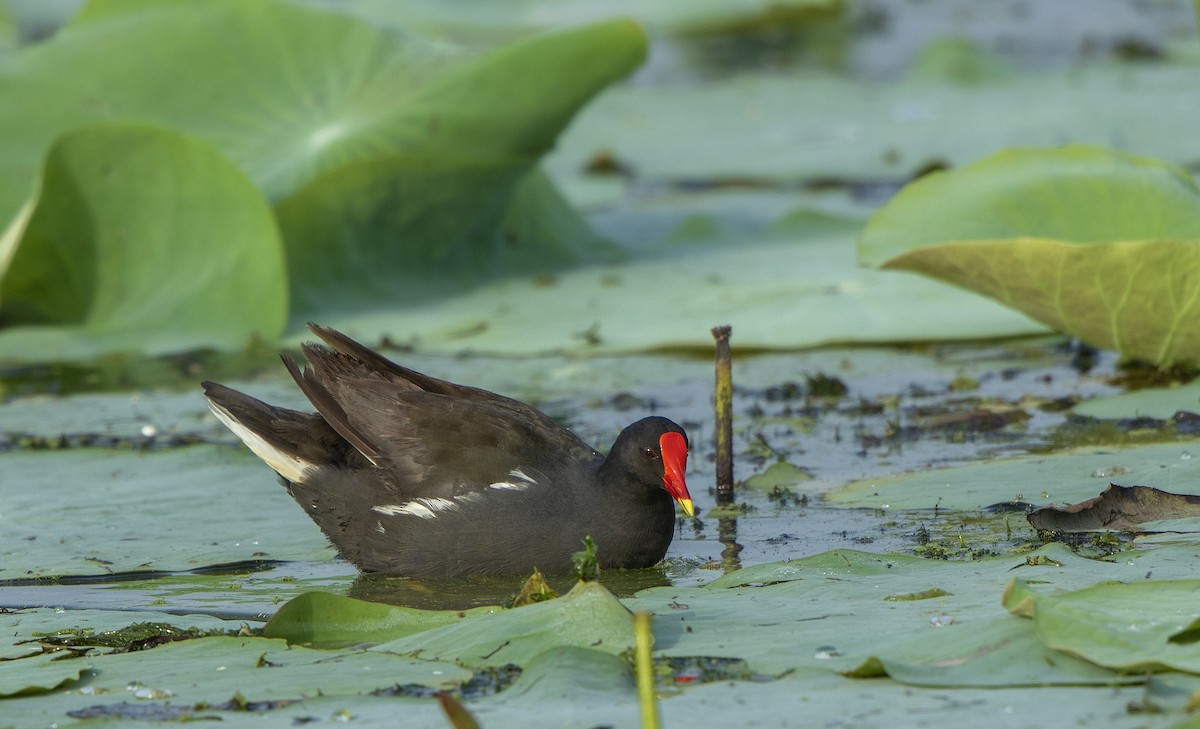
(1099,244)
(1150,625)
(38,674)
(210,505)
(512,18)
(324,620)
(587,616)
(846,610)
(145,236)
(1072,194)
(208,677)
(290,93)
(670,293)
(382,151)
(1059,478)
(1140,298)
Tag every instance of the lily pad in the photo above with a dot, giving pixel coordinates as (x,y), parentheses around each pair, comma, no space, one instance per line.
(403,153)
(141,237)
(212,505)
(1141,626)
(858,132)
(1000,652)
(323,620)
(1060,478)
(601,307)
(832,612)
(1137,297)
(587,616)
(208,672)
(1102,245)
(1075,194)
(39,674)
(1159,403)
(778,475)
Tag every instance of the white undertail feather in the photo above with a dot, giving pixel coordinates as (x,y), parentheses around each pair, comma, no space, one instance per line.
(290,467)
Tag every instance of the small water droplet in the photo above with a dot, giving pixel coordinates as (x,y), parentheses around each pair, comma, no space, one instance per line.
(149,431)
(939,621)
(826,651)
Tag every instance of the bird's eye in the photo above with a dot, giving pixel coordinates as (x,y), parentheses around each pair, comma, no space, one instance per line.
(649,453)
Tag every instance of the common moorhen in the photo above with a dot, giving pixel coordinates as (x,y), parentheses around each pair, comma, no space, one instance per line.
(410,475)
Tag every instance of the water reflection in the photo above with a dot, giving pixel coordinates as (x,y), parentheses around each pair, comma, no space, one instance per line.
(731,555)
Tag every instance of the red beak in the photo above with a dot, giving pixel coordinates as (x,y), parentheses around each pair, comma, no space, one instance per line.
(674,456)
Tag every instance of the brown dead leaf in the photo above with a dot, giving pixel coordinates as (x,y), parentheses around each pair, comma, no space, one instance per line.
(1118,508)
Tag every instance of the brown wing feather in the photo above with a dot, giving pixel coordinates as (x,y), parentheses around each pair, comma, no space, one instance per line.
(318,393)
(409,423)
(352,360)
(438,445)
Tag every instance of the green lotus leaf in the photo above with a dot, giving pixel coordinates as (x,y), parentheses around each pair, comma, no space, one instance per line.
(1140,298)
(148,237)
(38,674)
(1076,194)
(380,149)
(325,620)
(587,616)
(1099,244)
(1148,625)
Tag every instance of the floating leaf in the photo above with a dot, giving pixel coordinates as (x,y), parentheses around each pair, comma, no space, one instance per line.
(1075,194)
(587,616)
(998,652)
(1063,477)
(400,170)
(145,236)
(1137,297)
(1099,244)
(778,475)
(39,673)
(1129,627)
(325,620)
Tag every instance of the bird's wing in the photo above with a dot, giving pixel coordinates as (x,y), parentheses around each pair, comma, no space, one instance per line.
(347,359)
(439,446)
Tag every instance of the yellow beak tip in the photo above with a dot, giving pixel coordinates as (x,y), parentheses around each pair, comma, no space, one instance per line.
(687,507)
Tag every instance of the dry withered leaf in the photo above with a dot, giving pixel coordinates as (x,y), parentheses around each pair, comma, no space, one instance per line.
(1117,508)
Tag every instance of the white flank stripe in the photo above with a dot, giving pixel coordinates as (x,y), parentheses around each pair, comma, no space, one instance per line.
(470,497)
(520,482)
(286,465)
(423,508)
(518,473)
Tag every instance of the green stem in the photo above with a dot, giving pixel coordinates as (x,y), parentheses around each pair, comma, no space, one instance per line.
(645,670)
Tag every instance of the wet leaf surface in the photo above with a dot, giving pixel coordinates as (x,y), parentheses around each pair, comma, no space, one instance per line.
(1133,627)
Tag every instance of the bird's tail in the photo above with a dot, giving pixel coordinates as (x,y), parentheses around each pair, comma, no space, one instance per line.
(288,441)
